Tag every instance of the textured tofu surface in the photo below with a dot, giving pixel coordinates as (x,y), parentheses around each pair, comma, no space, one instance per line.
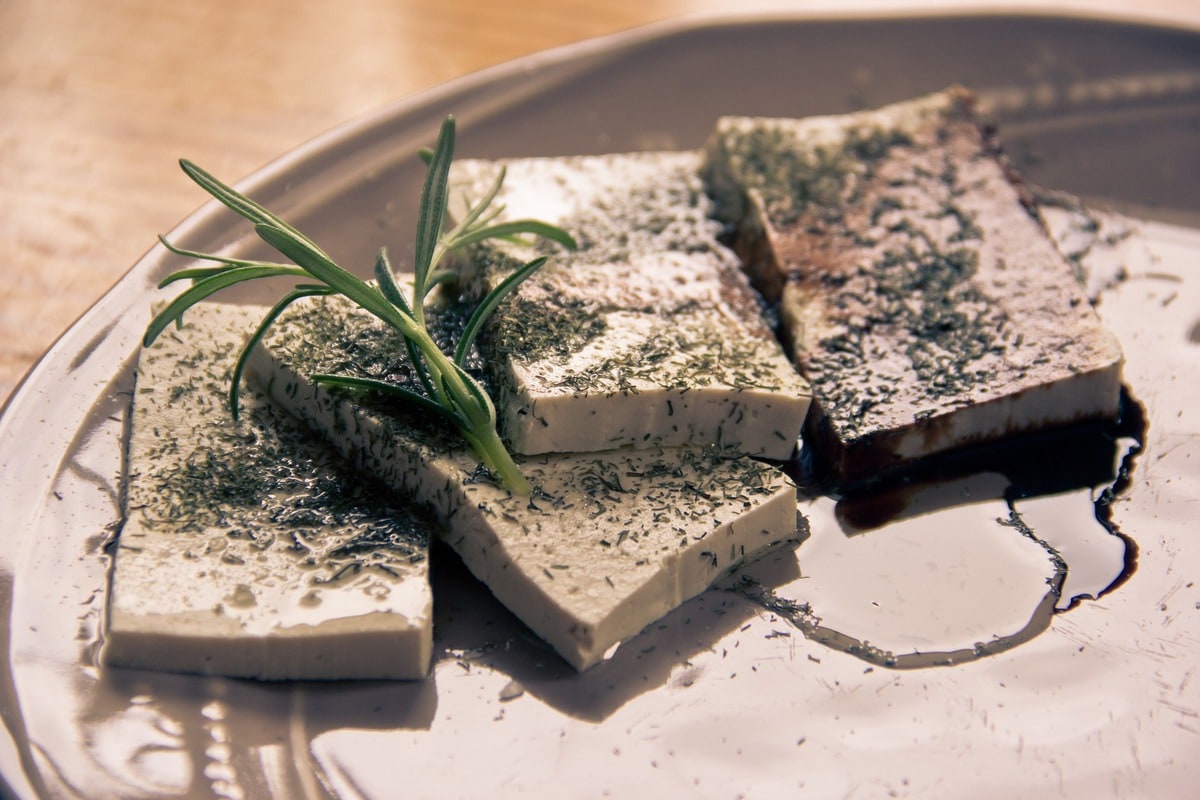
(918,290)
(608,543)
(648,335)
(247,551)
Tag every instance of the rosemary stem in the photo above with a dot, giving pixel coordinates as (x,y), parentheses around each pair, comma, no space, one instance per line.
(495,456)
(476,421)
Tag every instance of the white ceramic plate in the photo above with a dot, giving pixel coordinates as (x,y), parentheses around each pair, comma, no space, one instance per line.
(726,697)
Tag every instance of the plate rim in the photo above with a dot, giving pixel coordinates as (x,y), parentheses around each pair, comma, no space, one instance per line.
(93,324)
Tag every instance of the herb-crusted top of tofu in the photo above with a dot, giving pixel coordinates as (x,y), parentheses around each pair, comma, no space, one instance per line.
(262,482)
(817,166)
(247,548)
(650,304)
(619,207)
(914,277)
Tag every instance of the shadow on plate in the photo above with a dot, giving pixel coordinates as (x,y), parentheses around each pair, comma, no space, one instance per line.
(472,628)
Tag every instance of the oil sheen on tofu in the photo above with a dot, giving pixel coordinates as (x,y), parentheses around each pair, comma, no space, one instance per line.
(247,550)
(918,290)
(608,542)
(648,335)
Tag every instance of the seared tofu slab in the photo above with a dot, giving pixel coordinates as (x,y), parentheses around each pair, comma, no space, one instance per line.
(248,550)
(648,335)
(608,542)
(918,290)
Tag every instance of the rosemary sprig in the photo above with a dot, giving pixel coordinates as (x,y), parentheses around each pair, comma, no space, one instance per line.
(449,390)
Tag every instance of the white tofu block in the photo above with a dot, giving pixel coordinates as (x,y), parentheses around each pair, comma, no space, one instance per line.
(247,550)
(918,290)
(648,335)
(608,543)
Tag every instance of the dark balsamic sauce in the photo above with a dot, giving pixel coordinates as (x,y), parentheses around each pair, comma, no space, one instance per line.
(1052,467)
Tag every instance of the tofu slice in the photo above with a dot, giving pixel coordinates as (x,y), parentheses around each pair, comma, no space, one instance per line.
(918,291)
(247,550)
(649,335)
(608,543)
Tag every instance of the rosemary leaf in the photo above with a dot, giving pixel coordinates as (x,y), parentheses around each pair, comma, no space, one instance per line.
(432,210)
(509,230)
(300,292)
(490,303)
(203,289)
(385,388)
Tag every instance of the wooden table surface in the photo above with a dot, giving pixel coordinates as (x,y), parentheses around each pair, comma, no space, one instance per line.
(99,99)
